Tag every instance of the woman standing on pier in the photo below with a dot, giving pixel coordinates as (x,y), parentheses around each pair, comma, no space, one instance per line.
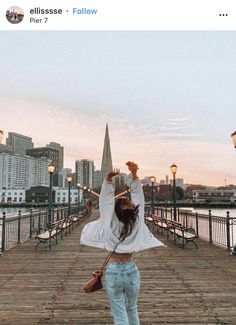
(121,223)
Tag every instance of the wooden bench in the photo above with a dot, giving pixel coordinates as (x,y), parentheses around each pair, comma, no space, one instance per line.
(58,228)
(46,235)
(170,227)
(186,234)
(161,224)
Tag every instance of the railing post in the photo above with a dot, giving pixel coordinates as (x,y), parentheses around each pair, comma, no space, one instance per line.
(210,227)
(178,214)
(19,224)
(197,224)
(227,230)
(30,234)
(3,231)
(52,215)
(39,220)
(186,219)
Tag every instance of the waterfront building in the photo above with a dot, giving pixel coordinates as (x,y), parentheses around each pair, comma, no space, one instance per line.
(19,172)
(60,149)
(10,196)
(61,196)
(19,143)
(38,195)
(214,195)
(147,181)
(84,170)
(106,165)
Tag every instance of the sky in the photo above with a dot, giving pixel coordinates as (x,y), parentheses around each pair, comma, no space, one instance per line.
(167,96)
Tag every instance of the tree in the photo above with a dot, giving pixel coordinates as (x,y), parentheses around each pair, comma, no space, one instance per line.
(179,193)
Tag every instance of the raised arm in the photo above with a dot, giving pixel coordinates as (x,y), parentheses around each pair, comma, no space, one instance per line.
(106,199)
(137,196)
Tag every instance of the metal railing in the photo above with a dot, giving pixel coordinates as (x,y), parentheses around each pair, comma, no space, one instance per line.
(18,229)
(217,230)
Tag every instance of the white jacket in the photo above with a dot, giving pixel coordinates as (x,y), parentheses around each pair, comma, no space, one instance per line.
(105,232)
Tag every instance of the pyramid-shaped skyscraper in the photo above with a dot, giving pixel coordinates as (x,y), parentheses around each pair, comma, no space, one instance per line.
(106,166)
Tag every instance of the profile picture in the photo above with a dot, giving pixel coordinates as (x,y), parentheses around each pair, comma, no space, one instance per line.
(14,15)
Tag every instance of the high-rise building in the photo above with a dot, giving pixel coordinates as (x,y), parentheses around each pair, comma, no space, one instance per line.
(46,152)
(64,173)
(49,153)
(106,165)
(58,147)
(19,143)
(20,172)
(97,179)
(84,170)
(167,179)
(6,149)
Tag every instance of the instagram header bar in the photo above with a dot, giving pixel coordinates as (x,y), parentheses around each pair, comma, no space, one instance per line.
(118,15)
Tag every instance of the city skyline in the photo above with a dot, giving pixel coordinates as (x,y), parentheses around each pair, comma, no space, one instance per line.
(166,96)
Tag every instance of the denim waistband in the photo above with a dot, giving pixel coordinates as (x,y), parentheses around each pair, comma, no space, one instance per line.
(121,265)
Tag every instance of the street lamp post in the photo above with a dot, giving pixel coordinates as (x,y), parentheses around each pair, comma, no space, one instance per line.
(51,169)
(78,185)
(173,169)
(153,180)
(69,179)
(233,136)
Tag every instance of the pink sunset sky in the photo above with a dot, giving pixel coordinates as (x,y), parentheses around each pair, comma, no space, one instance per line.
(168,97)
(82,137)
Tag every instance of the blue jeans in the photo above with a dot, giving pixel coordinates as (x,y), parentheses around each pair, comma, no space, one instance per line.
(122,286)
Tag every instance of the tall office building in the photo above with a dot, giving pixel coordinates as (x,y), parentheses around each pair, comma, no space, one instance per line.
(106,165)
(58,147)
(167,179)
(49,153)
(46,152)
(18,172)
(84,170)
(19,143)
(97,179)
(63,174)
(6,149)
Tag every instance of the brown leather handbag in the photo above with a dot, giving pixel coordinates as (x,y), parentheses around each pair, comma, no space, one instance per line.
(95,283)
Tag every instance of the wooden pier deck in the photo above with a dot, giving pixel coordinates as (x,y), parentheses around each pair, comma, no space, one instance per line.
(179,286)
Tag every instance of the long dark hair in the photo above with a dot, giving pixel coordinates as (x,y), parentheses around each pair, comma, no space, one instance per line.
(127,213)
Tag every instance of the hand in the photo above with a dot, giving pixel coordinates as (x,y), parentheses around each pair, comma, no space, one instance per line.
(113,173)
(133,167)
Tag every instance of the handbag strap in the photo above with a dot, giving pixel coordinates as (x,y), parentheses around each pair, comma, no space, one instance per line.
(108,257)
